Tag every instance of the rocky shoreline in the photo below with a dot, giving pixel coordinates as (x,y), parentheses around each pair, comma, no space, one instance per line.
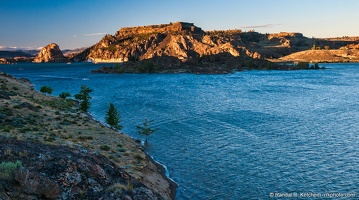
(96,161)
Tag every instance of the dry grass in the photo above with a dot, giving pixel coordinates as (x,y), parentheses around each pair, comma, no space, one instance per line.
(351,55)
(55,121)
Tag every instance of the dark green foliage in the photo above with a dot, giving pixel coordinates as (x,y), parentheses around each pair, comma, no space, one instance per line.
(84,98)
(17,122)
(146,67)
(105,148)
(113,117)
(84,138)
(303,65)
(250,64)
(251,36)
(145,129)
(138,157)
(119,69)
(64,95)
(7,168)
(112,48)
(46,89)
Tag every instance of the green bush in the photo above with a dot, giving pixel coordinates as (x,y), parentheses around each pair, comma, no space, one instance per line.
(64,95)
(7,168)
(46,89)
(105,148)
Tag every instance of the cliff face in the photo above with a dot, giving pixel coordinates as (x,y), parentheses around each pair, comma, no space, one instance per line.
(50,53)
(186,47)
(183,41)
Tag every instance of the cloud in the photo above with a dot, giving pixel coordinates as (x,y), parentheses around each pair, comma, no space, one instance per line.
(9,48)
(93,34)
(262,26)
(74,35)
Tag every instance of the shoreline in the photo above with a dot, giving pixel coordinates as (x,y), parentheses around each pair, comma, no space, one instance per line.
(162,170)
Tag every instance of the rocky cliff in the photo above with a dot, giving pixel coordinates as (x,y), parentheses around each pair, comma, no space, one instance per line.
(187,47)
(50,53)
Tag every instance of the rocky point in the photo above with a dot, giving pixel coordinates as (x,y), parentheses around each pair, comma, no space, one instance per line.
(50,53)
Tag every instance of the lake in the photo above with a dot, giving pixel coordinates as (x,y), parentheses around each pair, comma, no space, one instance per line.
(247,135)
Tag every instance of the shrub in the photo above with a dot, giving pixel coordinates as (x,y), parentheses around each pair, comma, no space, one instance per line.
(64,95)
(138,158)
(46,89)
(7,168)
(105,148)
(84,138)
(146,67)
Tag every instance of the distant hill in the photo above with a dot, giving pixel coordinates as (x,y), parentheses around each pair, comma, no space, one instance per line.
(317,56)
(182,46)
(187,47)
(71,52)
(13,54)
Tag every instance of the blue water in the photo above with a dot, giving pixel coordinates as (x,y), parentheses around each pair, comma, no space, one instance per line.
(235,136)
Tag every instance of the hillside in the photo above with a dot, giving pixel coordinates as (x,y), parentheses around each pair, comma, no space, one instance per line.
(318,56)
(35,129)
(184,47)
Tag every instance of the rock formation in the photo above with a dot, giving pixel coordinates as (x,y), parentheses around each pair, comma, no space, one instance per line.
(4,61)
(50,53)
(60,172)
(185,47)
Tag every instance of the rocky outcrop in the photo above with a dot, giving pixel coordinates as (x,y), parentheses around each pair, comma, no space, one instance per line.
(4,61)
(176,27)
(60,172)
(50,53)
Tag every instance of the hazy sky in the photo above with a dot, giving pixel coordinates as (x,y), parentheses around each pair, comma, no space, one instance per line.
(79,23)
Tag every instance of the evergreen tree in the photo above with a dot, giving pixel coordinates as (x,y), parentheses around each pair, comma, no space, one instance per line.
(64,95)
(84,98)
(145,129)
(46,89)
(113,117)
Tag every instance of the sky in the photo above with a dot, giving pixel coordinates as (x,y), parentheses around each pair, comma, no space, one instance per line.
(32,24)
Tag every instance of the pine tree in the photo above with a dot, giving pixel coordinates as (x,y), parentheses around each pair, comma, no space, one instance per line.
(84,97)
(113,117)
(145,129)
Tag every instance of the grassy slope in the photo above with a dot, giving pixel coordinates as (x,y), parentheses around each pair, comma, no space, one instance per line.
(29,115)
